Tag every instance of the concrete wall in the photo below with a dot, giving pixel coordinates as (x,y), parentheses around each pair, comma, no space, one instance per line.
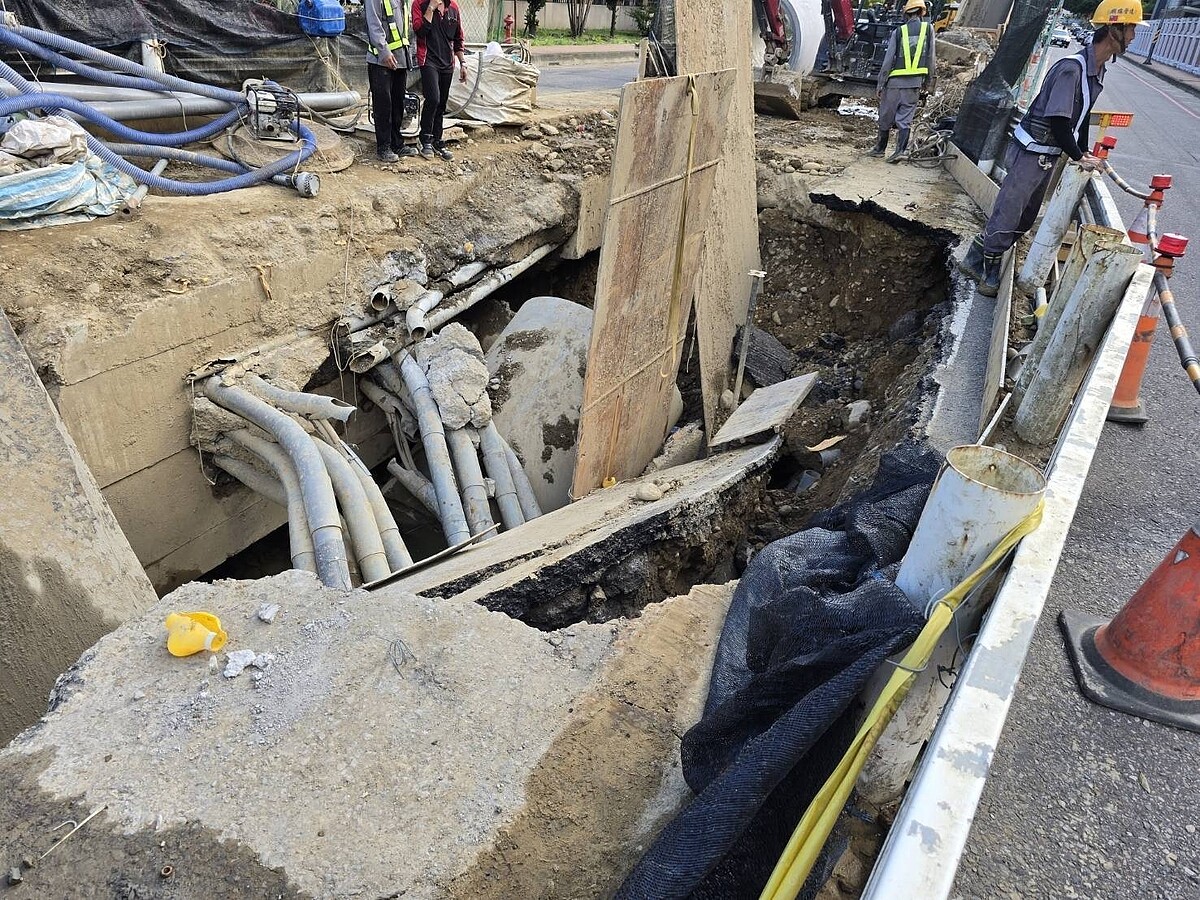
(67,574)
(554,15)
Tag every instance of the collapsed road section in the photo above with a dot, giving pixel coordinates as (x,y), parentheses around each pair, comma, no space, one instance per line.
(457,488)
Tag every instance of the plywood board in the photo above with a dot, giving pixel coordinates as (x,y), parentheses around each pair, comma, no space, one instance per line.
(766,411)
(717,36)
(654,235)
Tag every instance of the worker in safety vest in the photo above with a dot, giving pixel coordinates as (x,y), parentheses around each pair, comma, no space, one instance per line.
(909,66)
(390,57)
(1057,122)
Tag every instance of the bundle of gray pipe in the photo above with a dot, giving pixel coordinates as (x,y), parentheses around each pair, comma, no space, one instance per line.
(335,509)
(441,382)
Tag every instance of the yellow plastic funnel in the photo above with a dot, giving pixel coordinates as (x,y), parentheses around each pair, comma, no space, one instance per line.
(191,632)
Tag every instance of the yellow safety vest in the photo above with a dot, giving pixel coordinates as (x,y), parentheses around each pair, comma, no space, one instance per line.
(398,39)
(911,57)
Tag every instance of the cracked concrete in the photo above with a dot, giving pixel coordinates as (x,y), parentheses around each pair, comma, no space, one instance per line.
(454,364)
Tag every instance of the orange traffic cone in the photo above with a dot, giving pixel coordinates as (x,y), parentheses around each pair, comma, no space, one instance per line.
(1126,407)
(1146,661)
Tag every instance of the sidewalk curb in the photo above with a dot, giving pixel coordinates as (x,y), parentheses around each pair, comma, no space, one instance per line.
(569,56)
(1164,72)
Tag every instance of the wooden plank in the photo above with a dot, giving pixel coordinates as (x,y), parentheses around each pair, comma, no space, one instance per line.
(997,358)
(712,36)
(658,210)
(766,411)
(978,186)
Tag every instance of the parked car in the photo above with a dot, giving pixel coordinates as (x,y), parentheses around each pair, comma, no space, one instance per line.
(1060,37)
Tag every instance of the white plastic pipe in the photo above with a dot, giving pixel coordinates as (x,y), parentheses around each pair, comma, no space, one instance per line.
(486,287)
(530,508)
(1060,369)
(364,532)
(437,454)
(312,405)
(414,319)
(470,479)
(320,503)
(1055,222)
(495,460)
(417,485)
(979,496)
(299,538)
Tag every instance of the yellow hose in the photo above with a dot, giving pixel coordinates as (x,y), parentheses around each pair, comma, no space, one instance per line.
(809,838)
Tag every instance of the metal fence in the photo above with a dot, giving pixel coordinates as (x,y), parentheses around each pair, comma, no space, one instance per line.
(1171,42)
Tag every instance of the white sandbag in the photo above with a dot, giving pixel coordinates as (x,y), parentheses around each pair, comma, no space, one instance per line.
(10,164)
(62,192)
(505,95)
(50,140)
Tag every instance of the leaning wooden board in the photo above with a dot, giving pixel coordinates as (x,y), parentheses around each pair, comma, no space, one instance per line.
(653,241)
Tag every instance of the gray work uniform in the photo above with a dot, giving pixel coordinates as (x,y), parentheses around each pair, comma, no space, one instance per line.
(900,93)
(1032,154)
(389,22)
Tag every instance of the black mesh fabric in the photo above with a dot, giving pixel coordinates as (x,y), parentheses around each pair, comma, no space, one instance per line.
(983,116)
(813,617)
(213,41)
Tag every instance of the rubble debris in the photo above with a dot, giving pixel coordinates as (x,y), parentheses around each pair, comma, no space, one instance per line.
(768,362)
(267,612)
(648,492)
(767,411)
(453,362)
(684,445)
(857,414)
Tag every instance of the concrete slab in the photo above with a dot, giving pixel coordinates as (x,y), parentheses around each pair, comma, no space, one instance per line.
(395,745)
(550,567)
(766,411)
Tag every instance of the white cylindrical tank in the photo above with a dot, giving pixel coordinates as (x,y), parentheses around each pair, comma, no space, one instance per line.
(980,495)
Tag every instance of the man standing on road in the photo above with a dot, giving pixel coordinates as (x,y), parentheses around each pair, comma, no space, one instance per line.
(1057,122)
(389,60)
(900,86)
(440,40)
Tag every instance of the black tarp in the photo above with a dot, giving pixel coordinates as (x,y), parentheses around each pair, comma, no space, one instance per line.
(989,101)
(214,41)
(813,617)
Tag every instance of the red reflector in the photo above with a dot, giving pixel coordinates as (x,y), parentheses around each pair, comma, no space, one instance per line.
(1160,182)
(1172,244)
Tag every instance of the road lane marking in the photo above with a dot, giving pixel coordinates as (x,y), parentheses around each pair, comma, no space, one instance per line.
(1165,94)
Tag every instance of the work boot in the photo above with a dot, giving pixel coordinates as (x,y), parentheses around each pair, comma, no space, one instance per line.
(439,150)
(427,151)
(387,156)
(881,144)
(971,265)
(989,282)
(901,151)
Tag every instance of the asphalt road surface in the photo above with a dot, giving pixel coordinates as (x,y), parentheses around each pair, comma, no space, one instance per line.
(564,79)
(1083,801)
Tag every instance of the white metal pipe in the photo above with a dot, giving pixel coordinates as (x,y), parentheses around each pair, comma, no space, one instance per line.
(485,288)
(364,532)
(496,462)
(318,101)
(470,480)
(414,319)
(437,454)
(262,483)
(299,536)
(1055,222)
(320,503)
(364,361)
(134,203)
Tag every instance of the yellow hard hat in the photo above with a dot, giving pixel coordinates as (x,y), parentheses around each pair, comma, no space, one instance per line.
(915,6)
(1118,12)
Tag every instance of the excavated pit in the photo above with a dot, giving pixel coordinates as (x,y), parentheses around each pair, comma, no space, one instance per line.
(858,300)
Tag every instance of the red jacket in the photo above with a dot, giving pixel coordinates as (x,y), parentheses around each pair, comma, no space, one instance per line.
(442,38)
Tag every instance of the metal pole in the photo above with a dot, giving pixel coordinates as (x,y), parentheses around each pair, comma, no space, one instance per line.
(755,289)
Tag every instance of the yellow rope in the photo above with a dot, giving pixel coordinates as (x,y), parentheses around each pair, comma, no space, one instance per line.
(809,838)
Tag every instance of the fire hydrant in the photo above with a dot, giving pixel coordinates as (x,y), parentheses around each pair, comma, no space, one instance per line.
(508,28)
